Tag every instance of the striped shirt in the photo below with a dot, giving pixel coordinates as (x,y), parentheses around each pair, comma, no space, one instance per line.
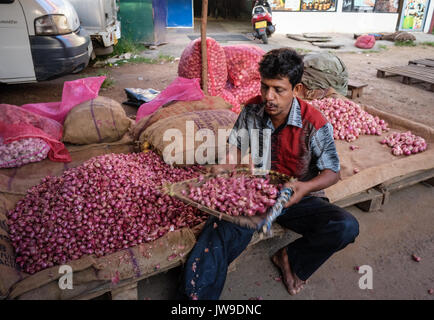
(301,147)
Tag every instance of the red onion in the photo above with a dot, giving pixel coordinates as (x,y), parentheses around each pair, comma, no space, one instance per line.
(110,202)
(244,92)
(236,195)
(405,143)
(348,119)
(190,64)
(243,63)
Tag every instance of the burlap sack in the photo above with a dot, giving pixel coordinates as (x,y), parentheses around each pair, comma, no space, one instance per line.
(179,107)
(96,121)
(404,36)
(398,36)
(313,94)
(178,145)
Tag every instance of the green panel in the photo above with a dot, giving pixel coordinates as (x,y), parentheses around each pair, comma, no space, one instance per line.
(136,20)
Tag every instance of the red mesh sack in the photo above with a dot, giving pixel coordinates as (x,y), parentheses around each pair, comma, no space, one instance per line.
(230,98)
(17,123)
(365,42)
(242,63)
(245,92)
(190,64)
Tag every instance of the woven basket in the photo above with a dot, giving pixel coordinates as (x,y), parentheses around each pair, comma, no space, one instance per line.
(244,221)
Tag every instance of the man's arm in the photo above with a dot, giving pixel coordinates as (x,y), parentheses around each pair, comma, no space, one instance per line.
(301,189)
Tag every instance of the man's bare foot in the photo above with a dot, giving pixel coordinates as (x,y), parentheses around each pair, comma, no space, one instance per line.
(293,284)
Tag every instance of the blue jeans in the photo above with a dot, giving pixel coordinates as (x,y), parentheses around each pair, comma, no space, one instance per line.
(325,229)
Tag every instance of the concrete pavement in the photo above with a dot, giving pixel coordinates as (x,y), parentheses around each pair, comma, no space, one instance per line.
(177,39)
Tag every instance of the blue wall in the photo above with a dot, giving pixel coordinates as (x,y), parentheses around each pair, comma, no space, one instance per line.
(180,13)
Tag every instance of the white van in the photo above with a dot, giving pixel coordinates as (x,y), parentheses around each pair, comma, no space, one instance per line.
(41,40)
(99,18)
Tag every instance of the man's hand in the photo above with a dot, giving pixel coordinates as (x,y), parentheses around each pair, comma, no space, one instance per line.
(300,190)
(325,179)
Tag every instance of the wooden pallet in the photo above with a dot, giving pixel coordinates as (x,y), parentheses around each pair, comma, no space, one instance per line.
(425,62)
(409,73)
(302,38)
(368,201)
(316,36)
(386,188)
(327,45)
(374,198)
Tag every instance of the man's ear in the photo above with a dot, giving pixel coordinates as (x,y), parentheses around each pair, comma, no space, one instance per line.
(298,90)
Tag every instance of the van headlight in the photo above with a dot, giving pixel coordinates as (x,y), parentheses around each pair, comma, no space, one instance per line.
(52,24)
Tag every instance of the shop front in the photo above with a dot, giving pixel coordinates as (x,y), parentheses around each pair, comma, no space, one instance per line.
(351,16)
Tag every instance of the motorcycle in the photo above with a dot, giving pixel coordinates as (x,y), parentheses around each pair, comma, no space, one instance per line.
(262,21)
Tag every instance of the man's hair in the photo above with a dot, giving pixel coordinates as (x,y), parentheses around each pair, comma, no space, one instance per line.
(282,63)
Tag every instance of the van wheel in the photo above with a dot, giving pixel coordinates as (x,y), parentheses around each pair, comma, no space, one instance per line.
(103,51)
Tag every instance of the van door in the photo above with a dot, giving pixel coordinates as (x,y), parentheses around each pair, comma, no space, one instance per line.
(16,63)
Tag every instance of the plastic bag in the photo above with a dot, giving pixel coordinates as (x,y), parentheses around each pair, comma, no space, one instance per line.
(190,64)
(365,42)
(138,96)
(17,123)
(74,93)
(243,63)
(180,89)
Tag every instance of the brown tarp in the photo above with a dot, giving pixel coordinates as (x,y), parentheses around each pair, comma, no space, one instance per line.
(111,271)
(375,160)
(91,275)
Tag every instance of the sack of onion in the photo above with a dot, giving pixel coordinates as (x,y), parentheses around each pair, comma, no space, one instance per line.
(23,151)
(99,120)
(190,64)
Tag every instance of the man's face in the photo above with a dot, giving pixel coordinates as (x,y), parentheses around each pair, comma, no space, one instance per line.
(277,95)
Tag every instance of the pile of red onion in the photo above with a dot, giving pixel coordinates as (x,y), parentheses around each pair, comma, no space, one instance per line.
(110,202)
(230,98)
(190,64)
(23,151)
(405,143)
(236,196)
(349,120)
(243,63)
(246,91)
